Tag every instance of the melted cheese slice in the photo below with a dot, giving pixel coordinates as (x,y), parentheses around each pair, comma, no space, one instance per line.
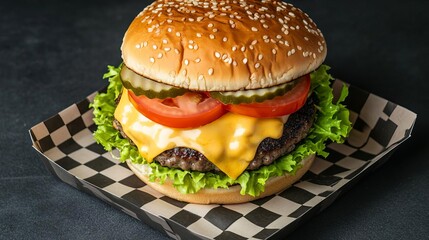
(229,142)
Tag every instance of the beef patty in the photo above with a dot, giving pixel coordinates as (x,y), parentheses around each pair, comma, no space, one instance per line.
(294,130)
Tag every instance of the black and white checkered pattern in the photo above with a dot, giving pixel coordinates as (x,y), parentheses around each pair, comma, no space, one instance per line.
(65,140)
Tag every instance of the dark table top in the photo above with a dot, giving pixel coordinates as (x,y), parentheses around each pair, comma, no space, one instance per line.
(53,54)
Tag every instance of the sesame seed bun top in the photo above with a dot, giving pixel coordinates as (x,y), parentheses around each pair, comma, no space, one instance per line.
(223,45)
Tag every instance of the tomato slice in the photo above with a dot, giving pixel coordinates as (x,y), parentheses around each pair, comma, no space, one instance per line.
(194,109)
(190,110)
(278,106)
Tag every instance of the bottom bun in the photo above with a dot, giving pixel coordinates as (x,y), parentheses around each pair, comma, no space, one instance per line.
(229,195)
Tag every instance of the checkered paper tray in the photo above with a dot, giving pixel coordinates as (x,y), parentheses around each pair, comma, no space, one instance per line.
(69,151)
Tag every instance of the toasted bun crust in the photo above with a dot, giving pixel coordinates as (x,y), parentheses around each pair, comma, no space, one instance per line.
(224,196)
(201,45)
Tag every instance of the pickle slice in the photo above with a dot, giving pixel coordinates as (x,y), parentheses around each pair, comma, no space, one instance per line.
(147,87)
(254,95)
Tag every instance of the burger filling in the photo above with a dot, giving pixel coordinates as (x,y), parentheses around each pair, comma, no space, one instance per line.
(276,153)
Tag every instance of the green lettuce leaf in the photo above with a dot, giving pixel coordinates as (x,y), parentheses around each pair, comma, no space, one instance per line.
(331,124)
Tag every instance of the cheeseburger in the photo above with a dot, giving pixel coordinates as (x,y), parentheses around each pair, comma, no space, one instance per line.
(220,101)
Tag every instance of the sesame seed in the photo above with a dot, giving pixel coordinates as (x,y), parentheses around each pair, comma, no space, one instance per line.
(265,26)
(178,34)
(197,60)
(234,63)
(279,36)
(200,77)
(224,56)
(214,30)
(217,54)
(186,62)
(254,29)
(212,36)
(152,60)
(159,55)
(210,71)
(274,51)
(225,39)
(190,46)
(195,46)
(167,49)
(199,35)
(210,25)
(164,41)
(257,65)
(244,60)
(260,56)
(145,44)
(299,47)
(137,45)
(169,30)
(184,72)
(243,48)
(234,48)
(176,51)
(254,42)
(154,47)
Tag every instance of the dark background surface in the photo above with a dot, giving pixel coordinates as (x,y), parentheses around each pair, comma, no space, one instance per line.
(53,54)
